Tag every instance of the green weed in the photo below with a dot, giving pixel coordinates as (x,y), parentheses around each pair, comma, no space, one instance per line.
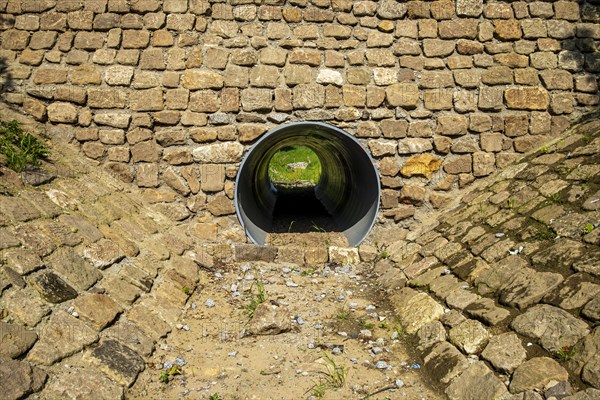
(186,290)
(364,324)
(336,373)
(334,377)
(588,228)
(587,138)
(399,331)
(167,375)
(214,396)
(20,149)
(309,271)
(259,298)
(544,233)
(318,390)
(566,353)
(317,228)
(554,199)
(343,314)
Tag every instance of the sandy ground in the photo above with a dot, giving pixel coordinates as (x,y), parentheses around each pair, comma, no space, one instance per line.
(335,313)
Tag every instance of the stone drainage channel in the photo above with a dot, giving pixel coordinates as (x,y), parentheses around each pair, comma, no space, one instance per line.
(314,321)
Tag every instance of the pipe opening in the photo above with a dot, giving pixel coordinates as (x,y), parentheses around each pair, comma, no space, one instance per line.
(343,197)
(295,173)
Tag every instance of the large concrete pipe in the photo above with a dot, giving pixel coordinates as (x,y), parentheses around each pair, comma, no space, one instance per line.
(348,188)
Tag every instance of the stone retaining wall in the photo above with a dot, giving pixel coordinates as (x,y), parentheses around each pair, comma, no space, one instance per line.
(169,94)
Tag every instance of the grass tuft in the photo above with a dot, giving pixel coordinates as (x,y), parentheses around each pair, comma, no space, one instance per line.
(334,377)
(260,297)
(20,149)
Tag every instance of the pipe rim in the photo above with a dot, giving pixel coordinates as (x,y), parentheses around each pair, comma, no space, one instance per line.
(328,127)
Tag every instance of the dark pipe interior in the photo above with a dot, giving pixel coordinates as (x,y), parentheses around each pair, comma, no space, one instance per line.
(298,210)
(348,189)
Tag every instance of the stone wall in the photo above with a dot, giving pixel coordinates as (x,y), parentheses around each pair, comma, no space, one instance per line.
(169,94)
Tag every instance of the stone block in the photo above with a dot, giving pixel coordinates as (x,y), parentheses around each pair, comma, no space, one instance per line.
(403,95)
(202,79)
(526,98)
(135,39)
(62,113)
(49,75)
(507,29)
(438,48)
(254,99)
(461,28)
(499,75)
(147,100)
(452,125)
(86,75)
(106,98)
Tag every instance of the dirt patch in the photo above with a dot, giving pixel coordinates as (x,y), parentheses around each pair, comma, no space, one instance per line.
(339,322)
(311,239)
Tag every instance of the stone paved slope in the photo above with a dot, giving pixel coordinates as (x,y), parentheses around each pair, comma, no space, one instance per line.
(90,278)
(503,291)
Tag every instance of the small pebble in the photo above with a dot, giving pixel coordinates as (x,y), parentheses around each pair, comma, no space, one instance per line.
(318,326)
(299,320)
(178,326)
(245,268)
(232,354)
(210,303)
(366,333)
(415,366)
(381,365)
(249,277)
(311,346)
(376,350)
(167,364)
(336,350)
(180,361)
(286,270)
(75,314)
(194,306)
(499,234)
(394,335)
(352,305)
(291,284)
(298,371)
(354,360)
(370,307)
(185,328)
(399,383)
(234,288)
(342,334)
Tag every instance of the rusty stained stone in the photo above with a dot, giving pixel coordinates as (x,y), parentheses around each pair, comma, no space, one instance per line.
(421,165)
